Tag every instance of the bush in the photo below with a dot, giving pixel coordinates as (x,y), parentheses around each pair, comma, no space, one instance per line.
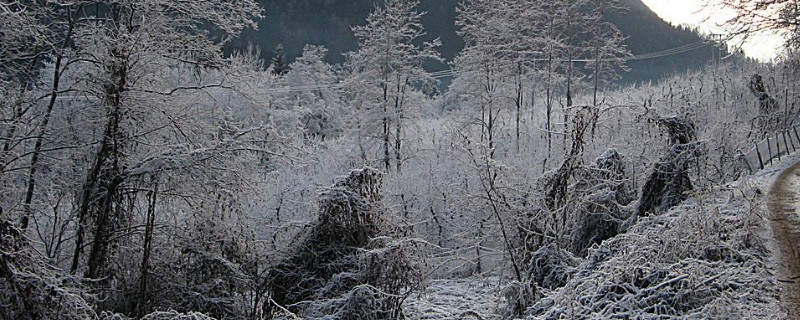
(32,289)
(353,264)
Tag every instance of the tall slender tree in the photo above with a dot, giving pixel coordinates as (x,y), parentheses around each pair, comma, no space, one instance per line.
(389,64)
(604,45)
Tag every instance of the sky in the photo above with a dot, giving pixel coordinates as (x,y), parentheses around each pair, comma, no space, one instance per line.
(691,13)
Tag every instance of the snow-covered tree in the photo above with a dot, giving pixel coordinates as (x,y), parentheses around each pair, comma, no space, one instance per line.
(387,67)
(755,16)
(126,48)
(319,103)
(510,43)
(126,95)
(278,63)
(482,27)
(605,46)
(354,263)
(32,289)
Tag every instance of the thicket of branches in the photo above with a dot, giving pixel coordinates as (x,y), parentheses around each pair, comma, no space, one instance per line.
(709,261)
(353,264)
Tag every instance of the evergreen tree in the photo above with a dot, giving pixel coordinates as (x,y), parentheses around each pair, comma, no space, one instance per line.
(279,65)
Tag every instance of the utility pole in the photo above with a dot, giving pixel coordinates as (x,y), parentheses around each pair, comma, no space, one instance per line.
(716,60)
(716,49)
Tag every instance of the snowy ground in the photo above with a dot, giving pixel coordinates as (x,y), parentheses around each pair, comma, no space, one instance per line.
(710,257)
(455,299)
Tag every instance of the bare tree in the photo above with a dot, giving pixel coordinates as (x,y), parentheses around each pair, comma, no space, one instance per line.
(782,16)
(605,45)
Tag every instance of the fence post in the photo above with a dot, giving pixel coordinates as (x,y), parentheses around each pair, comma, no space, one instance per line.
(760,160)
(785,144)
(769,148)
(778,145)
(785,133)
(795,134)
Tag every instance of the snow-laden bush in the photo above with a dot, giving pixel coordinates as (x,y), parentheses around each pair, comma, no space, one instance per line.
(551,267)
(159,315)
(172,315)
(669,183)
(702,259)
(354,264)
(768,120)
(518,297)
(602,205)
(30,288)
(680,130)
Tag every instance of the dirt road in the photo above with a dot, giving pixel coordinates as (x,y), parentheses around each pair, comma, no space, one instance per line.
(783,206)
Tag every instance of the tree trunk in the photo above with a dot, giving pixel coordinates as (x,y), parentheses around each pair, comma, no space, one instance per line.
(9,135)
(398,106)
(386,129)
(549,105)
(88,194)
(489,124)
(147,246)
(597,66)
(519,101)
(569,78)
(100,191)
(478,254)
(490,129)
(37,148)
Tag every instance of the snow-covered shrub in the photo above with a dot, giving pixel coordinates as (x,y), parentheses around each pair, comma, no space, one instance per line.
(518,297)
(582,120)
(551,267)
(173,315)
(768,120)
(209,264)
(561,191)
(604,204)
(319,124)
(32,289)
(159,315)
(595,204)
(353,264)
(212,284)
(679,130)
(699,260)
(669,183)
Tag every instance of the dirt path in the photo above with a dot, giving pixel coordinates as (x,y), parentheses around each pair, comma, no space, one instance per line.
(783,205)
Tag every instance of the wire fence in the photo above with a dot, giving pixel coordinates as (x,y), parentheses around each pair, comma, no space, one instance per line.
(775,146)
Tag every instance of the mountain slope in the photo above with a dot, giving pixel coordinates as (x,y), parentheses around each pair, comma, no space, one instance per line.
(648,33)
(327,22)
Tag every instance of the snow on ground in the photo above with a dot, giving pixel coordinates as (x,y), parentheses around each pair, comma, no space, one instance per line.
(710,257)
(455,299)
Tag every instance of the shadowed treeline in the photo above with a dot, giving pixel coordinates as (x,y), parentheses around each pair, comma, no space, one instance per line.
(327,22)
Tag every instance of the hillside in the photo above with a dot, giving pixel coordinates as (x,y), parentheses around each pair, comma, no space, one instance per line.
(648,33)
(327,22)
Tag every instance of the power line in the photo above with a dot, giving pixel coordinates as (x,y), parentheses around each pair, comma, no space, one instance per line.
(452,72)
